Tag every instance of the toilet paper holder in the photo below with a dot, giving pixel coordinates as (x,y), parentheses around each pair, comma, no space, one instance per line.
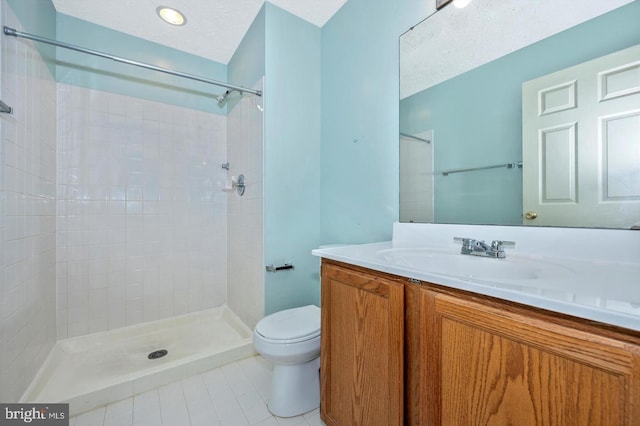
(286,266)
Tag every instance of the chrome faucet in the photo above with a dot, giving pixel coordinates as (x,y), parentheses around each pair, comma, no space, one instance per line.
(481,248)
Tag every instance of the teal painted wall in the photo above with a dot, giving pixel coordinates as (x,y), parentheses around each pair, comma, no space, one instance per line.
(292,152)
(38,17)
(360,92)
(496,132)
(93,72)
(247,64)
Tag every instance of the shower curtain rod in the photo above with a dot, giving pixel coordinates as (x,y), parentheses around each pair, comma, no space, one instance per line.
(13,32)
(416,138)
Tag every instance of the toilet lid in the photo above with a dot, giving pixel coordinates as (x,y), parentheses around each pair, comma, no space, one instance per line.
(291,324)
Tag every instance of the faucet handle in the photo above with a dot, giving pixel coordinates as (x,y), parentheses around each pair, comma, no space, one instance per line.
(465,241)
(470,245)
(499,244)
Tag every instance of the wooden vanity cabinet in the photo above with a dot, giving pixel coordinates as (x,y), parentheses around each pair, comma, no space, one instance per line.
(468,359)
(493,363)
(362,348)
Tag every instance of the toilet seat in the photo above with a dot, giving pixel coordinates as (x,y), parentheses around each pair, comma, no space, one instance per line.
(291,325)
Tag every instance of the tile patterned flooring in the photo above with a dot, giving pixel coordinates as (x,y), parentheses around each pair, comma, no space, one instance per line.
(233,395)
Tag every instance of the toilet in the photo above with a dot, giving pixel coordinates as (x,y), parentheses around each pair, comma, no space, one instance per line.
(291,340)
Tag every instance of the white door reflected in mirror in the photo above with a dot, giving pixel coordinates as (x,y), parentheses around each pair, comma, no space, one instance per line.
(581,144)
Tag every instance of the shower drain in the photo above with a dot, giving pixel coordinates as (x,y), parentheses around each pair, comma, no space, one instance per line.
(157,354)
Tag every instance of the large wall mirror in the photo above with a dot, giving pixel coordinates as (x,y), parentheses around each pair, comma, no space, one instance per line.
(522,113)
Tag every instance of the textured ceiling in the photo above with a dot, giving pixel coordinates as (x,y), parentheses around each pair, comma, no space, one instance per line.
(214,28)
(456,40)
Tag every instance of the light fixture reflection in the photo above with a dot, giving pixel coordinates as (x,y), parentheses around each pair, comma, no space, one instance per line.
(171,16)
(461,3)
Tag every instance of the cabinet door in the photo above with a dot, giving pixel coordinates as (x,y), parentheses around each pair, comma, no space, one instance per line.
(361,348)
(496,367)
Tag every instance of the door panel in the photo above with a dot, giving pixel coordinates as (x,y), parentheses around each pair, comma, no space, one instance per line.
(558,164)
(620,157)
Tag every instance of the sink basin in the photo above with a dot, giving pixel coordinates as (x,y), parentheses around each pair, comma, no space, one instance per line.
(474,268)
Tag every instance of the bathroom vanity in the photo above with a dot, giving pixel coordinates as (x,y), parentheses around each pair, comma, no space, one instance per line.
(534,340)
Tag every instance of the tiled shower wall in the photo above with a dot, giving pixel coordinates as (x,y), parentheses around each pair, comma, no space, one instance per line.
(27,213)
(142,222)
(245,280)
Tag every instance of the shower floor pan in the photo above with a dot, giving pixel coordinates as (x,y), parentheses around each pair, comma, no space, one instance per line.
(97,369)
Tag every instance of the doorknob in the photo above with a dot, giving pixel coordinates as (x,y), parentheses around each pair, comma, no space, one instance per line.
(531,215)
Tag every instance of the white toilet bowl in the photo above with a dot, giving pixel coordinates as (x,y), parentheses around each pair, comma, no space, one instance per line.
(291,340)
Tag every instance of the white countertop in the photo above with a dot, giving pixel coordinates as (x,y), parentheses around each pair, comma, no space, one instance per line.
(602,287)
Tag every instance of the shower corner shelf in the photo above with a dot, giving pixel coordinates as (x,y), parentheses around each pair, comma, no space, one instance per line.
(5,109)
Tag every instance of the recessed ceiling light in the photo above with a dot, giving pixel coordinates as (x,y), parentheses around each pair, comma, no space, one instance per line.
(171,15)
